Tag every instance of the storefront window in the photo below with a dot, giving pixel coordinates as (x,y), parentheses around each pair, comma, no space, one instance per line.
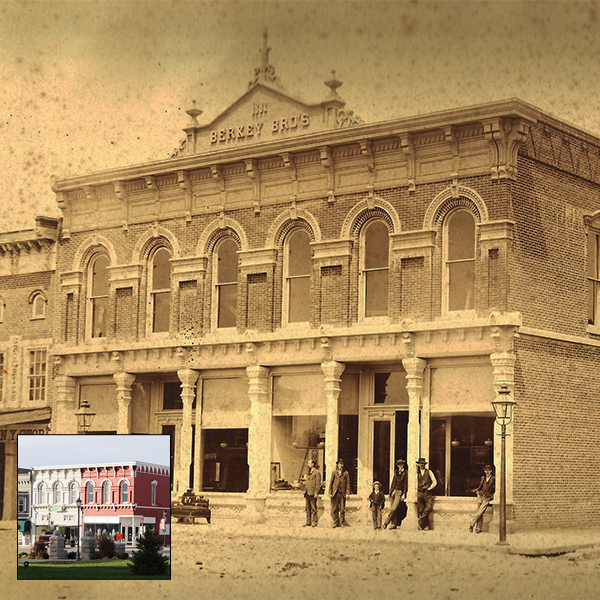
(460,446)
(298,427)
(172,396)
(348,426)
(225,467)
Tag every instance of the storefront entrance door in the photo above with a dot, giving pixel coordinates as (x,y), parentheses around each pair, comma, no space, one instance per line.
(389,434)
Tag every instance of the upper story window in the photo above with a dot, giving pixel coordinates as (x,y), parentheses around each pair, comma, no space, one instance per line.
(459,257)
(106,493)
(56,493)
(97,296)
(41,494)
(1,374)
(593,277)
(1,310)
(124,493)
(37,375)
(89,490)
(226,278)
(297,277)
(375,258)
(22,504)
(72,493)
(153,498)
(160,290)
(38,305)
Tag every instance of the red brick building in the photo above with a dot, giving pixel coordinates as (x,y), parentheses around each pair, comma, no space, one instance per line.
(126,498)
(296,283)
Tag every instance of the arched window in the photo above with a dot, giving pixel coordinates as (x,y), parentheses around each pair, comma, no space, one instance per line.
(593,276)
(106,492)
(89,488)
(375,268)
(297,277)
(124,493)
(41,494)
(38,306)
(226,279)
(1,310)
(98,296)
(72,493)
(57,498)
(160,290)
(460,260)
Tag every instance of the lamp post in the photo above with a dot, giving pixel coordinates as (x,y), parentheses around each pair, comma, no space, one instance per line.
(85,416)
(78,502)
(503,406)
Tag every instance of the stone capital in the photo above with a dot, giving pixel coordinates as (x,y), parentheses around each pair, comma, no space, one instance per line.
(333,372)
(188,377)
(124,381)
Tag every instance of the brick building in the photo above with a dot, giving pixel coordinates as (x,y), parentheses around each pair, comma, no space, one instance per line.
(296,283)
(27,285)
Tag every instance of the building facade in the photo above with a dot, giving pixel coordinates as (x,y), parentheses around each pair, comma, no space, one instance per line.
(126,499)
(24,506)
(294,283)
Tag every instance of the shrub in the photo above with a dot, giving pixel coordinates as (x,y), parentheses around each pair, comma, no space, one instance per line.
(38,549)
(96,556)
(45,556)
(106,547)
(72,555)
(148,560)
(123,555)
(23,554)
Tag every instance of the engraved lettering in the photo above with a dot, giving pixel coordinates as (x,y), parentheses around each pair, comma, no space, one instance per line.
(275,125)
(293,122)
(222,135)
(305,120)
(231,135)
(258,128)
(284,124)
(250,131)
(213,137)
(240,131)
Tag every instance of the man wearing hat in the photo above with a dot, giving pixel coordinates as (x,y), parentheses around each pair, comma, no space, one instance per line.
(398,489)
(426,481)
(485,494)
(339,490)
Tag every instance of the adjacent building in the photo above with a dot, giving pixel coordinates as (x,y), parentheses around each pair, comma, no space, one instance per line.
(294,283)
(24,506)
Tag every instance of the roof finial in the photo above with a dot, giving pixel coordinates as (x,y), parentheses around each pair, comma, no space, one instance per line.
(264,57)
(194,112)
(266,72)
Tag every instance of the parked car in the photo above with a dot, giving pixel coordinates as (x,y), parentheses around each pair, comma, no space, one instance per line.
(45,537)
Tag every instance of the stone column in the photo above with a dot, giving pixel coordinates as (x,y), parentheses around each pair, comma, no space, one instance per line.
(188,378)
(9,515)
(198,443)
(504,374)
(414,386)
(259,443)
(66,405)
(333,373)
(124,382)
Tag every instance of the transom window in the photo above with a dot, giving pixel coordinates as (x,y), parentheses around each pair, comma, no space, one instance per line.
(37,375)
(160,286)
(460,261)
(375,268)
(90,493)
(297,277)
(98,296)
(106,492)
(124,493)
(593,277)
(226,267)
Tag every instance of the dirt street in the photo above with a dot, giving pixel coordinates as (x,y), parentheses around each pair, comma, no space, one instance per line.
(235,566)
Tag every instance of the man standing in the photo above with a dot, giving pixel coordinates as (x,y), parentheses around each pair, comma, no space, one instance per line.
(398,490)
(485,494)
(313,485)
(339,490)
(426,481)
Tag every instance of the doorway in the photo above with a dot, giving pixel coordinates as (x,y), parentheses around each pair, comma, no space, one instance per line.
(390,436)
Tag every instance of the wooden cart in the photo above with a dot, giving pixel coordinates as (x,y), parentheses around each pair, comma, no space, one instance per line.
(191,507)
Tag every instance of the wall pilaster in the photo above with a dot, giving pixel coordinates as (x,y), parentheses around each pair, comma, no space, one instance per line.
(124,382)
(65,421)
(188,378)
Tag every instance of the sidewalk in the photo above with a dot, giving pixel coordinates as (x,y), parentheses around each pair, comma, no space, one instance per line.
(530,543)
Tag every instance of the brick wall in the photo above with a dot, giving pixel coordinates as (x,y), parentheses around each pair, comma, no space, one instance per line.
(556,434)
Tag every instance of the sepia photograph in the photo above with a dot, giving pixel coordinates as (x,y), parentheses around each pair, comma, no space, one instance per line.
(306,292)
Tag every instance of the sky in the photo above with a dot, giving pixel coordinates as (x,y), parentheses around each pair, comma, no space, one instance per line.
(51,450)
(91,85)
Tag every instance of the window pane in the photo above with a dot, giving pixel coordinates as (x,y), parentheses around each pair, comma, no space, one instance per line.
(162,308)
(100,276)
(592,255)
(299,253)
(90,493)
(161,270)
(227,306)
(461,235)
(299,290)
(124,494)
(592,301)
(381,454)
(376,293)
(377,246)
(390,388)
(99,308)
(461,285)
(227,264)
(38,306)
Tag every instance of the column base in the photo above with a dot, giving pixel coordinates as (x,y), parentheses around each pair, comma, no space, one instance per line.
(255,511)
(411,522)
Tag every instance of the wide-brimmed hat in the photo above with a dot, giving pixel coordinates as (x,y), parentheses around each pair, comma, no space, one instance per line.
(422,460)
(488,468)
(339,461)
(400,461)
(376,483)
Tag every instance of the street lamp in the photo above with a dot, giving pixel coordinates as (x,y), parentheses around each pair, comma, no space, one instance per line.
(503,406)
(85,416)
(78,502)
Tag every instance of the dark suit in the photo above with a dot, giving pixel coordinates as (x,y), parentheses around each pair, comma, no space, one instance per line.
(398,490)
(313,485)
(339,490)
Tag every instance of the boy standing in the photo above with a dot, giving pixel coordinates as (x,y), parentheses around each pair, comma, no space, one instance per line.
(377,504)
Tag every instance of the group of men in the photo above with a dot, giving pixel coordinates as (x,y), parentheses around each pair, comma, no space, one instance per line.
(339,490)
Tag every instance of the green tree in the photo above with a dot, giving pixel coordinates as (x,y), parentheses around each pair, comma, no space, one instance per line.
(148,560)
